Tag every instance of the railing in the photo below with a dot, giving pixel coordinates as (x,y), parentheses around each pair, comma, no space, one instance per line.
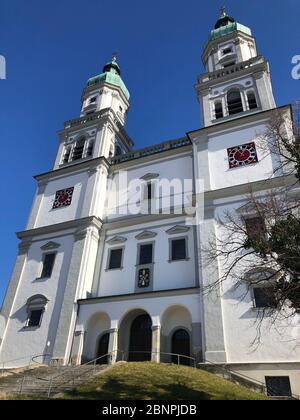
(235,68)
(5,365)
(229,373)
(147,151)
(117,355)
(60,381)
(83,120)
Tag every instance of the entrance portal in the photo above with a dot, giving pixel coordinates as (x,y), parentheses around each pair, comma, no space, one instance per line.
(181,346)
(103,349)
(140,344)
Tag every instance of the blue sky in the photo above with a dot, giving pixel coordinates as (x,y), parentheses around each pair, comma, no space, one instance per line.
(51,49)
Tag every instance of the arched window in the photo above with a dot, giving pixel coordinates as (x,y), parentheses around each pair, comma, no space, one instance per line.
(252,100)
(67,154)
(90,149)
(234,101)
(78,150)
(35,308)
(219,110)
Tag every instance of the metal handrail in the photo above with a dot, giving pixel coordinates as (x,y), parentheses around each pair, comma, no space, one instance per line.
(93,363)
(3,364)
(242,376)
(121,355)
(77,370)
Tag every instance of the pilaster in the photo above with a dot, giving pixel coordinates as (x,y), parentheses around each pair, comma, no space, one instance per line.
(155,356)
(212,306)
(77,284)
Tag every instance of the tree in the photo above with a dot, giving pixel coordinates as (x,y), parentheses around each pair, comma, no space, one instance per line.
(264,234)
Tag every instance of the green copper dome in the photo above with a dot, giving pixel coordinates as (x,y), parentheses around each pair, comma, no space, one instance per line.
(112,75)
(227,25)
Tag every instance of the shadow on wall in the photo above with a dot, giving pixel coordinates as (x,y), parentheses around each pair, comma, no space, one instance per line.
(2,327)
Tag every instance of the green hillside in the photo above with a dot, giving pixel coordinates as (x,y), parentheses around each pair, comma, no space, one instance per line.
(151,381)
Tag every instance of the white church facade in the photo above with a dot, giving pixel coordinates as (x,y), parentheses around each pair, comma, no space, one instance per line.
(100,270)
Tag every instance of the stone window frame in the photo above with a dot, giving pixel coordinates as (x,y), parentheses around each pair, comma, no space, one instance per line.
(35,303)
(109,250)
(139,266)
(187,257)
(139,250)
(41,265)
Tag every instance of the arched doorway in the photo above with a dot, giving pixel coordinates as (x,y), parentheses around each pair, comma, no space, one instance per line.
(103,349)
(181,346)
(140,342)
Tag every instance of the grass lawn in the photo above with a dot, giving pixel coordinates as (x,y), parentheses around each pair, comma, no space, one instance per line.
(151,381)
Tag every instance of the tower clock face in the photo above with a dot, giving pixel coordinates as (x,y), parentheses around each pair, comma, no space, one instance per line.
(63,198)
(242,155)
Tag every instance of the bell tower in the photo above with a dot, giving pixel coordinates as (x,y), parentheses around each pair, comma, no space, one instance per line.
(237,79)
(100,129)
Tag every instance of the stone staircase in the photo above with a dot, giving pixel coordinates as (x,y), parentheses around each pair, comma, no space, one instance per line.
(47,381)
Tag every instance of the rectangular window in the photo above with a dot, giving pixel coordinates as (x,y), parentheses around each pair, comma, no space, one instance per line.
(146,254)
(115,259)
(227,50)
(264,297)
(149,191)
(48,264)
(178,249)
(93,100)
(278,386)
(35,318)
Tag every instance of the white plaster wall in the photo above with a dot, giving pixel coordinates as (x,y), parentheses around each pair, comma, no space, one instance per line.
(20,342)
(177,316)
(278,340)
(97,325)
(2,326)
(173,168)
(221,176)
(167,275)
(155,307)
(259,373)
(47,215)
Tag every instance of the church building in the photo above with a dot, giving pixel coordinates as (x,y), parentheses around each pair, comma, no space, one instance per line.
(102,273)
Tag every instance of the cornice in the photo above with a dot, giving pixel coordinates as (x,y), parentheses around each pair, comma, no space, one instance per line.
(259,67)
(86,165)
(135,296)
(83,223)
(96,119)
(214,43)
(236,122)
(244,189)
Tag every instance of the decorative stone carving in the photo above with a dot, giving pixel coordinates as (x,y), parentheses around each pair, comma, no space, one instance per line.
(177,229)
(146,234)
(149,176)
(49,246)
(116,240)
